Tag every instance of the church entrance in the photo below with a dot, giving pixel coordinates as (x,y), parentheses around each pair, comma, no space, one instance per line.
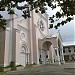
(23,56)
(45,53)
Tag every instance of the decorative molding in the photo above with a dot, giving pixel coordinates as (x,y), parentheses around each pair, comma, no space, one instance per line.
(22,36)
(41,25)
(25,44)
(21,28)
(20,21)
(43,16)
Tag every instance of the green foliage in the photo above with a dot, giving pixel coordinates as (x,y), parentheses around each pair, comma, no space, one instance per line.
(1,69)
(11,12)
(12,64)
(67,9)
(18,65)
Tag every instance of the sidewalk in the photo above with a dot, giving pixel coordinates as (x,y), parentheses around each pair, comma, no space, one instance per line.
(69,65)
(43,70)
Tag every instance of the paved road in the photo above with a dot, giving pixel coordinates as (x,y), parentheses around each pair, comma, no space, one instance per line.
(44,70)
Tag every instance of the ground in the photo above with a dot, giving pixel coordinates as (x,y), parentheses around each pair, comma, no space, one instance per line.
(50,69)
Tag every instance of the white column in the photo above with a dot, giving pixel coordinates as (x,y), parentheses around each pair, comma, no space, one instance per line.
(51,54)
(62,57)
(10,42)
(31,40)
(57,57)
(18,47)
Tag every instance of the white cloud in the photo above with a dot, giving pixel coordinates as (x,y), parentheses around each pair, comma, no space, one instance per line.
(67,31)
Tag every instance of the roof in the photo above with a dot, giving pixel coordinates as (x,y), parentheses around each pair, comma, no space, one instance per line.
(53,35)
(69,43)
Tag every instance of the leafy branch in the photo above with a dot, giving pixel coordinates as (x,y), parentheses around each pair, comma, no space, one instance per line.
(67,9)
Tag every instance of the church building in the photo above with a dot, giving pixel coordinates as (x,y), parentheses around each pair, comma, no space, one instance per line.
(29,41)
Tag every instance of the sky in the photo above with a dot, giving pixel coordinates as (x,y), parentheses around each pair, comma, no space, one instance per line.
(67,31)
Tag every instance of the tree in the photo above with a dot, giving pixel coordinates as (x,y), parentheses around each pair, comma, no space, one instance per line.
(67,8)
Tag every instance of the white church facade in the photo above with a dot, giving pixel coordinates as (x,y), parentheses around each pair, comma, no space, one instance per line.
(28,41)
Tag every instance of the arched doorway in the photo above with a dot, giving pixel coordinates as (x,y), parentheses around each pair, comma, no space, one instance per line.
(23,56)
(45,52)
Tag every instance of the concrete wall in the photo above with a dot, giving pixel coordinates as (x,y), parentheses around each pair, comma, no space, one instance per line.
(2,47)
(22,28)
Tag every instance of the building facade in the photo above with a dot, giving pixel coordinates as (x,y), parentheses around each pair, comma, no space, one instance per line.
(69,52)
(28,41)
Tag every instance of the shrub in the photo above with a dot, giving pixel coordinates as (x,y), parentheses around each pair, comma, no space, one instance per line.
(12,65)
(1,69)
(18,65)
(34,64)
